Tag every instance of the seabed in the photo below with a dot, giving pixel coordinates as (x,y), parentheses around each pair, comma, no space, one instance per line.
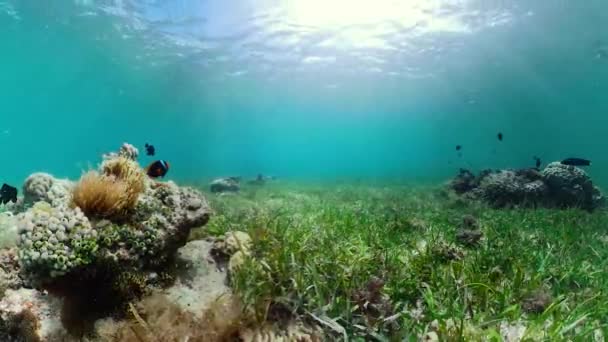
(283,261)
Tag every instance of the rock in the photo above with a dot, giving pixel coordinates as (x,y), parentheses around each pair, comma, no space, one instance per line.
(161,223)
(126,150)
(469,237)
(502,189)
(61,255)
(469,221)
(236,241)
(29,315)
(8,230)
(227,246)
(465,181)
(44,187)
(536,302)
(598,198)
(37,186)
(557,185)
(569,186)
(9,270)
(236,261)
(222,185)
(199,281)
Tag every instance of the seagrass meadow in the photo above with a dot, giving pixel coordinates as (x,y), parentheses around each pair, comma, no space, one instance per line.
(303,170)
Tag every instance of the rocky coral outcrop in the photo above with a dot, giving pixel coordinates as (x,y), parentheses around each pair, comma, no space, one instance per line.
(199,282)
(557,185)
(232,249)
(30,315)
(569,186)
(44,187)
(94,263)
(9,270)
(55,240)
(126,150)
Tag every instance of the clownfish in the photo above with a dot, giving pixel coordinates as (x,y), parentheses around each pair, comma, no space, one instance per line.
(158,168)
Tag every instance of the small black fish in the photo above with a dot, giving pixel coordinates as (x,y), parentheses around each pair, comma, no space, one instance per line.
(458,147)
(538,162)
(576,162)
(499,136)
(150,150)
(8,194)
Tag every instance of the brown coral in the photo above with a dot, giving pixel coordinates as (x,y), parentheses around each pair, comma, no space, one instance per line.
(104,196)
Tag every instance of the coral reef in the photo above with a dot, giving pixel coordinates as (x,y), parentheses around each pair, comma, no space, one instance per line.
(465,181)
(222,185)
(44,187)
(112,194)
(54,241)
(9,270)
(57,239)
(126,150)
(558,185)
(8,230)
(199,307)
(100,243)
(569,186)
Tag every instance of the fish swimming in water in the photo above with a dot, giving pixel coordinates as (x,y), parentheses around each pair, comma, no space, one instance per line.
(538,162)
(576,162)
(8,194)
(157,169)
(150,150)
(500,136)
(458,147)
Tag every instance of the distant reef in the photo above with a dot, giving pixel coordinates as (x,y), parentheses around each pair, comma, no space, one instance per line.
(557,186)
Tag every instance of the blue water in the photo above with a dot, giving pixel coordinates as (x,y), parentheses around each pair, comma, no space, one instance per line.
(303,89)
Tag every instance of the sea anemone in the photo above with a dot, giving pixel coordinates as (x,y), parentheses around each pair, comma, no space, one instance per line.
(125,170)
(105,196)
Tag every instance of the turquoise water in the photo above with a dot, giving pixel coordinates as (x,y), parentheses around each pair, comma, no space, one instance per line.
(303,90)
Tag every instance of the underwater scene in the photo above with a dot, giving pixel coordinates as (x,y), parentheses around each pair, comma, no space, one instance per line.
(303,170)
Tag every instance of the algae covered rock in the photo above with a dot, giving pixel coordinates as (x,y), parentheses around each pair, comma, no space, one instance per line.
(558,185)
(199,282)
(569,186)
(126,151)
(54,241)
(44,187)
(222,185)
(465,181)
(29,315)
(233,242)
(56,238)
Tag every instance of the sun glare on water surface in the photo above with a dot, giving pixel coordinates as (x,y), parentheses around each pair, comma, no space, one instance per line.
(331,14)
